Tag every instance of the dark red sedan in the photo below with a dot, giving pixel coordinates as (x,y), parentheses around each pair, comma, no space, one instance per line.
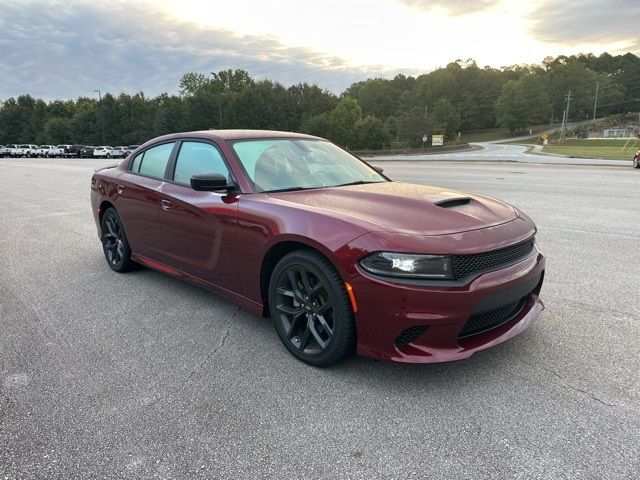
(340,257)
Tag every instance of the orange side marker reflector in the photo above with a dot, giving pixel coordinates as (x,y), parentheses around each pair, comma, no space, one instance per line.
(352,296)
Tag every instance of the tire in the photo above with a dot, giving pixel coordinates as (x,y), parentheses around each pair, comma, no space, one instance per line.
(311,310)
(636,162)
(108,155)
(115,245)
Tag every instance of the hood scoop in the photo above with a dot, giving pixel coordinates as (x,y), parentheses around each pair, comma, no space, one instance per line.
(453,202)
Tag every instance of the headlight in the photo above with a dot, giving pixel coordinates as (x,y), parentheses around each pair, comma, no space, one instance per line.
(406,265)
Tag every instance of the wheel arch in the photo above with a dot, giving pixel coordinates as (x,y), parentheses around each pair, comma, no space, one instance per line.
(104,206)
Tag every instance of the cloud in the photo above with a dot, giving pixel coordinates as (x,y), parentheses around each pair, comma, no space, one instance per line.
(53,49)
(588,21)
(454,7)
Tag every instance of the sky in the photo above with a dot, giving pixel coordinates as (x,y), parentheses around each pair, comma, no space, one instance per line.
(69,48)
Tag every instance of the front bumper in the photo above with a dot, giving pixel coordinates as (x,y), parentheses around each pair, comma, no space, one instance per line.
(386,310)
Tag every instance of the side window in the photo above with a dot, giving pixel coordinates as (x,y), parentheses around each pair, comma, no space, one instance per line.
(154,160)
(135,165)
(198,157)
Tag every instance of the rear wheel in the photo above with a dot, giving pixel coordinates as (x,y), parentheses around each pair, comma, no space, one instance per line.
(636,163)
(311,310)
(114,242)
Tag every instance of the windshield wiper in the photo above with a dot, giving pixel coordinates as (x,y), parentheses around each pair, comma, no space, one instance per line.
(357,182)
(290,189)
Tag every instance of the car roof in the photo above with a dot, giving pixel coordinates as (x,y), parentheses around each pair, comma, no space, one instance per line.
(234,135)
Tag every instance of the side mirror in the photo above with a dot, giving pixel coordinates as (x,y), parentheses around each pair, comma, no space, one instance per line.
(211,182)
(377,168)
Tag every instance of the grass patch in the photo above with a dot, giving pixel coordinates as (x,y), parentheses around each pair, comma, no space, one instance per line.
(581,151)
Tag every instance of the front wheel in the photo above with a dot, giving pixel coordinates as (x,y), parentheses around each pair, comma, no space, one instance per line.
(114,242)
(311,309)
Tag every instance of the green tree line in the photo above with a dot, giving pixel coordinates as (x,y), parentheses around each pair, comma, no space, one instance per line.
(371,114)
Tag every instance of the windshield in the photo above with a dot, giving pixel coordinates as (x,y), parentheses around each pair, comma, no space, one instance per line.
(280,164)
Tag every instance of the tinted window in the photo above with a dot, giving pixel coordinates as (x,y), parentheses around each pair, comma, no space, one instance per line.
(198,157)
(154,160)
(135,165)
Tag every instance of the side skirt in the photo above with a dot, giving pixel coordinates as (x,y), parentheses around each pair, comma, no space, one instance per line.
(244,302)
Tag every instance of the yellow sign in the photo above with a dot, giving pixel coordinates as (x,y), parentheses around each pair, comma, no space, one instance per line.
(437,140)
(544,136)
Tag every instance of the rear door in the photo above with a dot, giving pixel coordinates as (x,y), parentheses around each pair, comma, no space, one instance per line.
(138,199)
(199,228)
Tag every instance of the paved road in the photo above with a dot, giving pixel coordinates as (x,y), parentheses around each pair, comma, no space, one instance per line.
(501,153)
(141,376)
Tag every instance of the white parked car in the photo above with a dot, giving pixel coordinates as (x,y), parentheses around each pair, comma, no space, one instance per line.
(31,150)
(45,150)
(118,152)
(102,152)
(58,150)
(11,150)
(21,151)
(4,151)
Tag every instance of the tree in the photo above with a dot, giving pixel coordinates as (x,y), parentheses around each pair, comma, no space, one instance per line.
(57,130)
(193,82)
(370,133)
(445,119)
(523,103)
(342,120)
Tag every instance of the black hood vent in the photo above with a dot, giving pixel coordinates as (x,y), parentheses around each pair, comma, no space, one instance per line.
(454,202)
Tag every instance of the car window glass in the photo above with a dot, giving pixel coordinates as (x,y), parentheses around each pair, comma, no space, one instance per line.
(135,165)
(155,159)
(198,157)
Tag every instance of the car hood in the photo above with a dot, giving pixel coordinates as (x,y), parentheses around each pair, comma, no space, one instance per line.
(406,208)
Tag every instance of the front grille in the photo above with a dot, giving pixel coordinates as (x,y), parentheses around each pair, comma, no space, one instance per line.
(465,265)
(481,322)
(410,334)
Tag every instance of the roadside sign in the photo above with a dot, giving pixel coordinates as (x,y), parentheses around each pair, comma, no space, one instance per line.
(437,140)
(425,138)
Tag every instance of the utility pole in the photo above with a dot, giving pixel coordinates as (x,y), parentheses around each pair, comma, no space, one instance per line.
(99,95)
(566,114)
(595,106)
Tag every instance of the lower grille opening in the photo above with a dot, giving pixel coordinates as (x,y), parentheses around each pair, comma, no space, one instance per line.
(481,322)
(410,334)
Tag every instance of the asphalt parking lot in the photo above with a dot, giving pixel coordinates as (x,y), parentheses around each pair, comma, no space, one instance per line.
(142,376)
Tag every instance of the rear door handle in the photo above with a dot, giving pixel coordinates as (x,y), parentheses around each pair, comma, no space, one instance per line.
(120,189)
(165,204)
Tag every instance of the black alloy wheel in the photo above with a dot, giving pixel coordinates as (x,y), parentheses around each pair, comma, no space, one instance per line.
(114,242)
(311,309)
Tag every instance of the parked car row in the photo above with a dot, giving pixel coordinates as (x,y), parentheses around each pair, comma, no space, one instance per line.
(65,151)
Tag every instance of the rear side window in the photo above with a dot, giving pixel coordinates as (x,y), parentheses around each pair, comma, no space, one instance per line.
(153,161)
(198,157)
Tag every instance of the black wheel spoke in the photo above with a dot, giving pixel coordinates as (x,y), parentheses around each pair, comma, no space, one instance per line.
(305,281)
(304,339)
(287,292)
(325,326)
(294,323)
(321,343)
(294,284)
(287,310)
(110,228)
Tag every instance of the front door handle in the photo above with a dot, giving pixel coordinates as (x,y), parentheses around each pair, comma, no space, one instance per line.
(165,204)
(120,189)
